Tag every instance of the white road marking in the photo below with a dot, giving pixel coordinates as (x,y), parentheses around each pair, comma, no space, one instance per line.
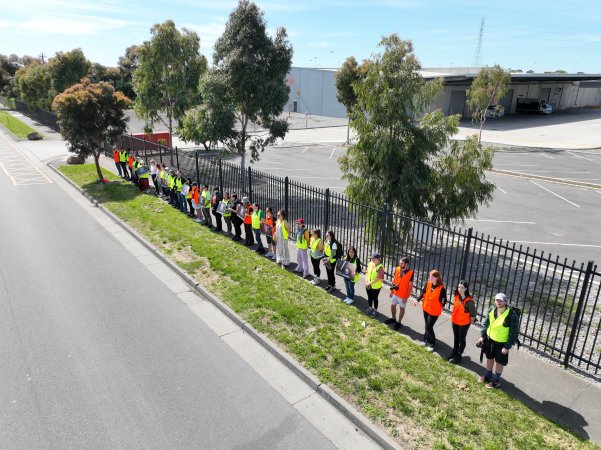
(518,165)
(549,171)
(15,162)
(502,221)
(332,154)
(558,243)
(280,168)
(546,156)
(582,157)
(306,148)
(556,195)
(318,178)
(495,185)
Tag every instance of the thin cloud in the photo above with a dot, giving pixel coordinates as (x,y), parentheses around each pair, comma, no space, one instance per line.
(69,25)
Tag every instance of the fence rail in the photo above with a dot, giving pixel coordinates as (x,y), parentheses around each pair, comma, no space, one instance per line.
(559,299)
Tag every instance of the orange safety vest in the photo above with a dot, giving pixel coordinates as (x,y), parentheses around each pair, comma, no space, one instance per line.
(403,282)
(460,316)
(130,161)
(248,216)
(431,303)
(116,155)
(195,192)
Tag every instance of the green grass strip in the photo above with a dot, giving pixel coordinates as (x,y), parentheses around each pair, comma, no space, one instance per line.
(15,126)
(423,402)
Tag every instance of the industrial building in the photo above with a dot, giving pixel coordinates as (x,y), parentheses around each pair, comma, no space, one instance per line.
(314,90)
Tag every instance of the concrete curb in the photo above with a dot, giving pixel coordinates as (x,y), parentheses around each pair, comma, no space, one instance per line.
(358,419)
(549,179)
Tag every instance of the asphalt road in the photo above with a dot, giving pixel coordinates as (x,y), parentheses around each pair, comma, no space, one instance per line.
(98,353)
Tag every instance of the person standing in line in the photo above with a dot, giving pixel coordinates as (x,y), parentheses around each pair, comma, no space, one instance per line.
(153,175)
(196,206)
(329,260)
(374,275)
(180,181)
(206,210)
(464,314)
(248,229)
(433,299)
(317,248)
(172,190)
(268,220)
(185,196)
(189,194)
(215,200)
(130,162)
(352,258)
(499,332)
(163,175)
(257,217)
(123,163)
(302,247)
(135,165)
(143,182)
(117,159)
(282,231)
(402,287)
(236,221)
(227,213)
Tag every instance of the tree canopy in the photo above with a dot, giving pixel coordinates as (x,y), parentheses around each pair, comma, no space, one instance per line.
(488,88)
(90,115)
(252,67)
(68,68)
(404,156)
(167,74)
(35,85)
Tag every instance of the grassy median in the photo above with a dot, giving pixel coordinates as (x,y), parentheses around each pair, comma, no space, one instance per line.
(15,126)
(422,401)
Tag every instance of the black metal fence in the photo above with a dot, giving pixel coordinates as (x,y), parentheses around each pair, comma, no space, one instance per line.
(39,115)
(559,299)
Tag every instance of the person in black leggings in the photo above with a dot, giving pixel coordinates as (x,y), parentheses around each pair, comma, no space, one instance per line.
(464,314)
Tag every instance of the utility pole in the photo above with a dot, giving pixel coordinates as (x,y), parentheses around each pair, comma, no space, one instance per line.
(42,57)
(478,53)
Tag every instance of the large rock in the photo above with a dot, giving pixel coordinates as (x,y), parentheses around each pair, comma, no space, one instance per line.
(35,136)
(74,159)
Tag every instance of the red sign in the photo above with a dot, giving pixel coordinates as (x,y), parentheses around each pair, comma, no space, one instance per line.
(158,137)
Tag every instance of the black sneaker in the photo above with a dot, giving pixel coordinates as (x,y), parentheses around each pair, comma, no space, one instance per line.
(484,379)
(398,325)
(389,321)
(492,384)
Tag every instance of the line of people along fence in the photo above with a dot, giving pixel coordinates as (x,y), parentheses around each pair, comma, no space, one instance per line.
(560,300)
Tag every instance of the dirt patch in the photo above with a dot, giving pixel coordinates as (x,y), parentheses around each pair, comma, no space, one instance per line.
(186,256)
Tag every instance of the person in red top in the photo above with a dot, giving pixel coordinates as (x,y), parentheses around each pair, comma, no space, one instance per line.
(464,314)
(117,159)
(433,299)
(402,287)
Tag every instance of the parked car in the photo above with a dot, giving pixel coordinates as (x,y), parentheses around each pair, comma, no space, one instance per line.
(495,111)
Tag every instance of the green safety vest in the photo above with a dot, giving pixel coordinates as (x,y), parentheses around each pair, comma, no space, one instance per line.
(178,184)
(123,156)
(145,175)
(135,165)
(256,219)
(328,251)
(496,331)
(357,274)
(227,212)
(372,273)
(301,241)
(207,197)
(284,230)
(170,181)
(315,253)
(163,175)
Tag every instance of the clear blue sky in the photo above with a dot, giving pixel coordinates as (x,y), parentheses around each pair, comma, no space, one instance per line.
(527,34)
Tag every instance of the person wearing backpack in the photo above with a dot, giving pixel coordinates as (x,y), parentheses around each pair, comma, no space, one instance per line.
(464,314)
(302,247)
(333,251)
(499,333)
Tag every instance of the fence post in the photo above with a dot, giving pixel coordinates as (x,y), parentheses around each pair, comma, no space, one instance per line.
(221,176)
(286,194)
(383,228)
(171,156)
(326,222)
(145,154)
(160,155)
(581,302)
(197,171)
(177,157)
(250,185)
(466,252)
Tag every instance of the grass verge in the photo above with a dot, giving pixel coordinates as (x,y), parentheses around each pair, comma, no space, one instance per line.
(423,402)
(15,126)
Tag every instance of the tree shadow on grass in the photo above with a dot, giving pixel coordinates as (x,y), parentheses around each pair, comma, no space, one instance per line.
(118,191)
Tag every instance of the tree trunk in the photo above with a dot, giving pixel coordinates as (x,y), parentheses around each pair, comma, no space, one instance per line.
(348,131)
(98,171)
(170,130)
(242,150)
(481,127)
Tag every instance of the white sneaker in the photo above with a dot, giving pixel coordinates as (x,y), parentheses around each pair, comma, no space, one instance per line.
(423,344)
(349,301)
(344,299)
(430,349)
(315,281)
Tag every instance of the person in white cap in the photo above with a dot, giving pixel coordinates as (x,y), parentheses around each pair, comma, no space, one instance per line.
(499,333)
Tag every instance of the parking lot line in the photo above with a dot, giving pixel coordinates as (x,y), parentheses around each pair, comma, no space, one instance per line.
(546,156)
(582,157)
(502,221)
(563,244)
(495,185)
(556,195)
(332,154)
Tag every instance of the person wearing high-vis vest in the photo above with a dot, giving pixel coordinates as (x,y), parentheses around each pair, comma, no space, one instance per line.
(191,211)
(433,298)
(269,220)
(163,181)
(196,208)
(464,314)
(316,246)
(499,333)
(227,214)
(180,198)
(282,231)
(374,275)
(143,178)
(117,159)
(256,219)
(123,162)
(135,165)
(330,249)
(206,207)
(302,248)
(130,161)
(400,291)
(172,189)
(215,200)
(349,283)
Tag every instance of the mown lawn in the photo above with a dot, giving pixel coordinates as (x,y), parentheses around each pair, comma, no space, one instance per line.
(422,401)
(15,126)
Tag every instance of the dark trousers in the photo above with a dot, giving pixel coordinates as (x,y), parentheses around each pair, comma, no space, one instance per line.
(316,268)
(228,223)
(248,234)
(156,184)
(190,208)
(218,223)
(459,332)
(173,198)
(237,226)
(258,239)
(331,272)
(131,172)
(372,297)
(429,336)
(124,169)
(118,165)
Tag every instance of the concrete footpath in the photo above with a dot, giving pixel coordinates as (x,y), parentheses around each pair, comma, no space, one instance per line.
(563,396)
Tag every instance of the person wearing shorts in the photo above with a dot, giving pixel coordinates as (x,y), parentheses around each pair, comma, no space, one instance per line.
(499,333)
(402,287)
